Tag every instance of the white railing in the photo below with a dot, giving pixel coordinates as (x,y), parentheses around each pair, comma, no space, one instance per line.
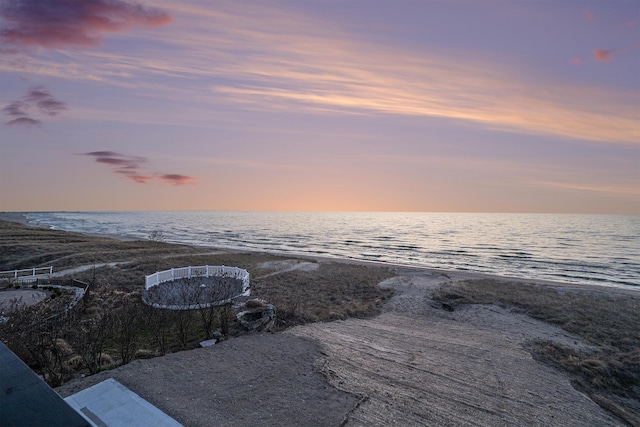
(199,271)
(26,274)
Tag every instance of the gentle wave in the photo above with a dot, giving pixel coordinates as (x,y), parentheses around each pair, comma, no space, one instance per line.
(582,249)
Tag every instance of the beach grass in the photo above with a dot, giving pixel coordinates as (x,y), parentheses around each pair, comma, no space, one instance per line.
(27,247)
(334,291)
(610,323)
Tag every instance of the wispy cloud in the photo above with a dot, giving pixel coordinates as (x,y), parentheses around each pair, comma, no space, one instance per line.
(118,160)
(269,59)
(16,109)
(132,168)
(595,188)
(177,179)
(61,23)
(603,55)
(37,98)
(44,101)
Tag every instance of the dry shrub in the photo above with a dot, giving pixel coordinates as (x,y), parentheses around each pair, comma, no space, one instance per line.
(145,354)
(106,361)
(63,347)
(75,363)
(254,303)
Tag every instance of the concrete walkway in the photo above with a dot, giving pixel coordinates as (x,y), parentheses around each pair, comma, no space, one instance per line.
(109,403)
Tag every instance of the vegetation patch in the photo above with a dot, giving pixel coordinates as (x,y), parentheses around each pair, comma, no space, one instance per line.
(334,291)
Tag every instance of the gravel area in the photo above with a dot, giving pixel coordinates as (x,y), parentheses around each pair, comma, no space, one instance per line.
(258,380)
(11,299)
(196,291)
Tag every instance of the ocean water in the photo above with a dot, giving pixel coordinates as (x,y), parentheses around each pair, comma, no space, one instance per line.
(581,249)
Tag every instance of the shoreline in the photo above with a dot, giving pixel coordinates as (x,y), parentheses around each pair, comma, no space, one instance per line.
(21,218)
(457,275)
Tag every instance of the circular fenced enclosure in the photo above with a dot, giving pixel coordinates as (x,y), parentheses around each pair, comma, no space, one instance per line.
(191,288)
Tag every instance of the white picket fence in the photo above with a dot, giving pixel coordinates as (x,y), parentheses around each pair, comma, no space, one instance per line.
(26,274)
(199,271)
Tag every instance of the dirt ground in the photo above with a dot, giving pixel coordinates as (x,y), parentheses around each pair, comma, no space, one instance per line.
(415,364)
(10,299)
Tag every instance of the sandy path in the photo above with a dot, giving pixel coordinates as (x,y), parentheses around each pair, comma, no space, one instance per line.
(415,364)
(440,372)
(420,365)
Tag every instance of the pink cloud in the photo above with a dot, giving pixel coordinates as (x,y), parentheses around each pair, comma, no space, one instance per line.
(575,60)
(589,15)
(177,179)
(603,55)
(131,167)
(59,23)
(24,121)
(135,177)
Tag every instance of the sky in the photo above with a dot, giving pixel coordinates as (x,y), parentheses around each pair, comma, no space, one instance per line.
(323,105)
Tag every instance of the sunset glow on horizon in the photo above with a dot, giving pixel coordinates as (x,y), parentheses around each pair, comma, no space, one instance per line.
(356,105)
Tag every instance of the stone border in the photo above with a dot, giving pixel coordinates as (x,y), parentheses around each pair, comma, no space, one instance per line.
(177,274)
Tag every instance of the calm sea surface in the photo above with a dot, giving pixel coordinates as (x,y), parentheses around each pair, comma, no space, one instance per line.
(584,249)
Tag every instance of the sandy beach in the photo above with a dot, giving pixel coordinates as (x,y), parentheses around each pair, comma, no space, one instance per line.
(413,364)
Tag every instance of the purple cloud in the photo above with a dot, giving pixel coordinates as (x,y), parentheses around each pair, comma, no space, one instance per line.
(45,102)
(16,109)
(60,23)
(131,167)
(36,97)
(122,164)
